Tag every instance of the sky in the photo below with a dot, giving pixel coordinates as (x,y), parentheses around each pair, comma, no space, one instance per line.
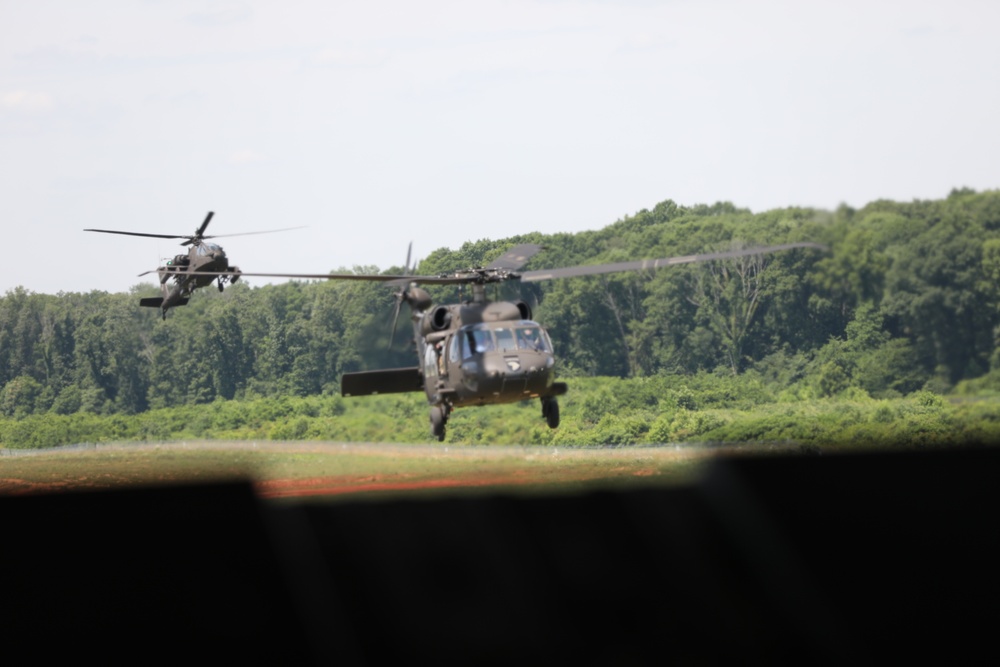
(380,123)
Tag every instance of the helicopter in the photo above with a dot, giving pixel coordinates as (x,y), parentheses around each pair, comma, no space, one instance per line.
(189,271)
(484,352)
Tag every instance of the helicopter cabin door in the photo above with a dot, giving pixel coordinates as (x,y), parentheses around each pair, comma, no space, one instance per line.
(430,365)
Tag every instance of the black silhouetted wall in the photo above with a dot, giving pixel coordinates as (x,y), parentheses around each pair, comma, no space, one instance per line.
(825,559)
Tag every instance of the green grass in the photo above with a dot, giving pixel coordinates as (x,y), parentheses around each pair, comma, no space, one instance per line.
(347,467)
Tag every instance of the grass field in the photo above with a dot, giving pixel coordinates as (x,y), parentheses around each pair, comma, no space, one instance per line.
(294,469)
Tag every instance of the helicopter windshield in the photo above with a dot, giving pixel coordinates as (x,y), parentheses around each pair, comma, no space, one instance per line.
(532,338)
(505,340)
(207,249)
(477,339)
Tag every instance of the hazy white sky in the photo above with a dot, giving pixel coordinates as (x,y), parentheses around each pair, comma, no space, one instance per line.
(378,123)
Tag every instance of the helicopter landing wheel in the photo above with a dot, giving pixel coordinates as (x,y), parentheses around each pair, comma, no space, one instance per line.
(220,285)
(438,419)
(550,410)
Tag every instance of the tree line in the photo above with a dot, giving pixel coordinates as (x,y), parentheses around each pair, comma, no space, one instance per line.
(907,298)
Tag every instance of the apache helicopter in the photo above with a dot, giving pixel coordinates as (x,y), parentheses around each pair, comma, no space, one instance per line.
(190,271)
(483,352)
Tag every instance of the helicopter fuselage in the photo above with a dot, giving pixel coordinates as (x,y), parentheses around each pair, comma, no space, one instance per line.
(482,352)
(204,257)
(189,272)
(486,363)
(477,352)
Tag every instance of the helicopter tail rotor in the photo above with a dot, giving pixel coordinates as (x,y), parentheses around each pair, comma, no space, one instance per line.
(400,295)
(415,297)
(395,317)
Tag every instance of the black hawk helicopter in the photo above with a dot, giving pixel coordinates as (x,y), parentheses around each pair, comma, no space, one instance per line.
(190,271)
(483,352)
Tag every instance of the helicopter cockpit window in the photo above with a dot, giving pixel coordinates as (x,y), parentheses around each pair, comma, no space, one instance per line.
(505,340)
(206,249)
(476,341)
(532,338)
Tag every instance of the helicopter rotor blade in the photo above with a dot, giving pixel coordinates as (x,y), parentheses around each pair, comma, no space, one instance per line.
(497,275)
(395,317)
(516,257)
(155,236)
(407,271)
(201,230)
(371,277)
(266,231)
(595,269)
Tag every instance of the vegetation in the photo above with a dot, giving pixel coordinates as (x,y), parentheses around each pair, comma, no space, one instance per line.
(706,408)
(890,337)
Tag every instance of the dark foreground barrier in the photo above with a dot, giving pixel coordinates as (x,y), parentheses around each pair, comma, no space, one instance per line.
(822,559)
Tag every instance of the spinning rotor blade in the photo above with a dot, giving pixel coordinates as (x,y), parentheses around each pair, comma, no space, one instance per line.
(516,257)
(310,276)
(573,271)
(400,296)
(395,317)
(208,219)
(491,275)
(200,232)
(266,231)
(189,241)
(155,236)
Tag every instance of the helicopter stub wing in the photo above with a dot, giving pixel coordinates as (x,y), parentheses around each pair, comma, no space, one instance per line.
(181,271)
(639,265)
(390,381)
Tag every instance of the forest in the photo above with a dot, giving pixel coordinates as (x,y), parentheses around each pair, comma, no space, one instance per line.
(903,306)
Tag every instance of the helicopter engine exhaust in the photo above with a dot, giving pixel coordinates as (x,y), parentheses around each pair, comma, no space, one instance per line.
(438,319)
